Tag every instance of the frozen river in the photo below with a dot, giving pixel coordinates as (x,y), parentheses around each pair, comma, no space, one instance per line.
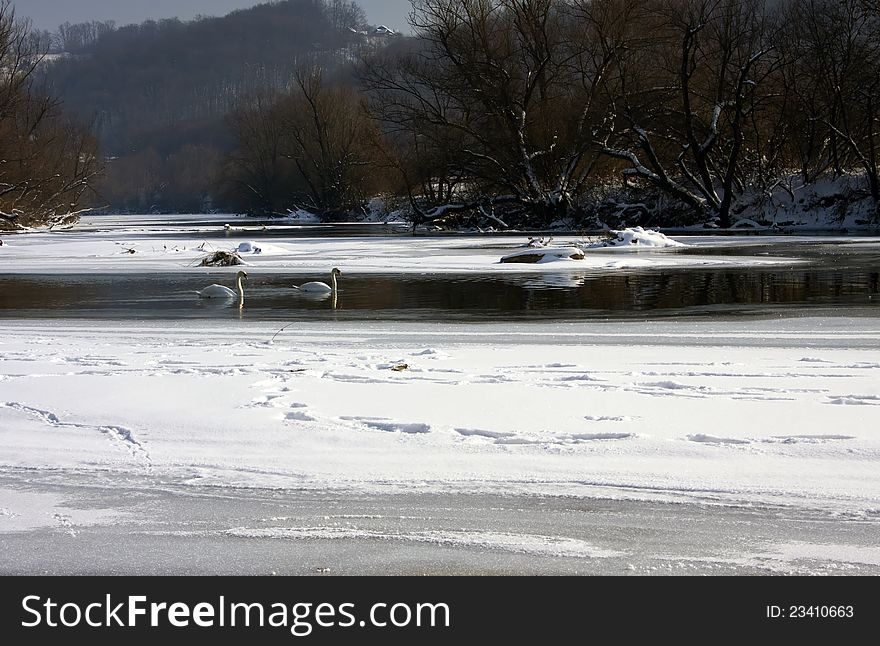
(702,409)
(805,278)
(171,529)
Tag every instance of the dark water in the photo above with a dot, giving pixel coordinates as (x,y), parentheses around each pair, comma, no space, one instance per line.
(253,228)
(838,280)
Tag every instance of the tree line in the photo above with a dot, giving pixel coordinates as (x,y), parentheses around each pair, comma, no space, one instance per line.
(521,112)
(159,93)
(509,112)
(47,161)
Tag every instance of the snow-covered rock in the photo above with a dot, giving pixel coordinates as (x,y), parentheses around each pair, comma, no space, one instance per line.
(261,248)
(547,254)
(249,247)
(636,236)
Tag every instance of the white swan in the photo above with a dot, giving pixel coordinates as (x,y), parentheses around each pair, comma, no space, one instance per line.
(321,288)
(221,291)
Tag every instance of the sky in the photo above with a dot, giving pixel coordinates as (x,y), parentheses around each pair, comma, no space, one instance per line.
(48,14)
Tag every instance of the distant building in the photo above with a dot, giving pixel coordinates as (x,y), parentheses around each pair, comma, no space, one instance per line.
(374,35)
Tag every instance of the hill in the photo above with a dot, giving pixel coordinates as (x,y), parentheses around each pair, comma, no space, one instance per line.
(158,93)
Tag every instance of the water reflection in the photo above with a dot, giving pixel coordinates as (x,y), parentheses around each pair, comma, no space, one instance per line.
(312,296)
(640,293)
(555,281)
(331,298)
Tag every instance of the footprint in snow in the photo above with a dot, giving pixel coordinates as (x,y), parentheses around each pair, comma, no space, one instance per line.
(589,437)
(264,401)
(297,414)
(430,353)
(576,378)
(493,435)
(391,426)
(711,439)
(672,388)
(854,400)
(806,439)
(355,379)
(117,435)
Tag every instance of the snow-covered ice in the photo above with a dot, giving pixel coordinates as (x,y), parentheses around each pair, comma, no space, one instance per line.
(656,411)
(103,245)
(771,415)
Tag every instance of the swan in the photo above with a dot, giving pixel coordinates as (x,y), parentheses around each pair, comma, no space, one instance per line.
(317,287)
(221,291)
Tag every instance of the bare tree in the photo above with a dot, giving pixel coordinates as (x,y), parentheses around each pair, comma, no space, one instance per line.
(256,173)
(47,163)
(306,148)
(510,86)
(345,14)
(18,59)
(326,133)
(75,37)
(685,101)
(838,60)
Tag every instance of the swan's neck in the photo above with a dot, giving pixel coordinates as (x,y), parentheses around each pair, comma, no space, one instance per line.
(240,294)
(333,280)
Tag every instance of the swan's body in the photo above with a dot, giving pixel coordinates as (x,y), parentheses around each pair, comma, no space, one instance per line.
(221,291)
(217,291)
(316,287)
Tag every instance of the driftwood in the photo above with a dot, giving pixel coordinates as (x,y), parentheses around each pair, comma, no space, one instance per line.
(221,259)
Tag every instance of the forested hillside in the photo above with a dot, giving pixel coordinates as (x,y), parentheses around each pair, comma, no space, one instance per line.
(498,112)
(158,94)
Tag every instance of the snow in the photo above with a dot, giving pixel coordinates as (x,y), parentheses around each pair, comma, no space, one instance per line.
(828,202)
(636,237)
(24,511)
(545,255)
(735,413)
(535,545)
(103,245)
(249,247)
(839,552)
(303,217)
(672,412)
(252,247)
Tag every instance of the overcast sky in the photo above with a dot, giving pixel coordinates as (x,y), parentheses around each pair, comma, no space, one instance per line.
(48,14)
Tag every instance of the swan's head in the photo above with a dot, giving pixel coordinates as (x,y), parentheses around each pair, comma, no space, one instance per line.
(241,274)
(336,272)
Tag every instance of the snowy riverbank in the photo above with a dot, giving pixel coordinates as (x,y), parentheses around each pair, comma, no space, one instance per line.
(499,448)
(128,244)
(653,411)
